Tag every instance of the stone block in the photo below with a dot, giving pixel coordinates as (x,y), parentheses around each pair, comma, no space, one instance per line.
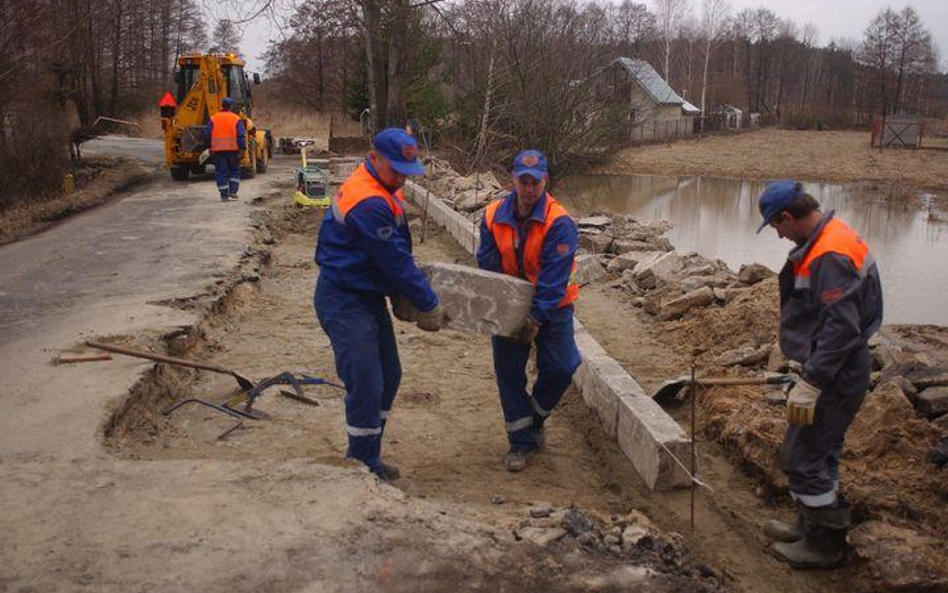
(626,245)
(596,222)
(630,259)
(677,307)
(651,271)
(480,301)
(598,243)
(932,401)
(754,273)
(588,269)
(649,438)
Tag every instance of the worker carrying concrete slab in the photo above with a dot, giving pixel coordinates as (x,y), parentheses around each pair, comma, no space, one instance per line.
(228,138)
(364,255)
(830,304)
(529,235)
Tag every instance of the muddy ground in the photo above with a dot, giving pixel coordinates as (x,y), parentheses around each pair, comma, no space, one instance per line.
(837,157)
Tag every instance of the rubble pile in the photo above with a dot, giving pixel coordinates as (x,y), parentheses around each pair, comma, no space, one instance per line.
(665,283)
(468,195)
(631,538)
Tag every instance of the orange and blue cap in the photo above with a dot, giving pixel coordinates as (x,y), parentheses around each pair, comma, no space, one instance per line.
(400,149)
(532,163)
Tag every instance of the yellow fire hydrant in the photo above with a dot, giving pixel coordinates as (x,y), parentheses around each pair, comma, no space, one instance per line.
(69,183)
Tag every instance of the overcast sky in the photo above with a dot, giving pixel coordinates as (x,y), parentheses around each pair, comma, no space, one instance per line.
(834,19)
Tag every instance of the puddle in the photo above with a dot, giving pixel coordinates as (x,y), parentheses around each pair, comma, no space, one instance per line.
(718,218)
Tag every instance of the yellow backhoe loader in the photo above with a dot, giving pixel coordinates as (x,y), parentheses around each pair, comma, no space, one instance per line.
(202,81)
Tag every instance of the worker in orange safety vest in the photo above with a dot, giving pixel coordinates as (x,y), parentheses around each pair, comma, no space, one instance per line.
(529,235)
(228,138)
(830,305)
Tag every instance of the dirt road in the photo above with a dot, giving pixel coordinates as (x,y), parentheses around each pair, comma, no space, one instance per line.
(778,154)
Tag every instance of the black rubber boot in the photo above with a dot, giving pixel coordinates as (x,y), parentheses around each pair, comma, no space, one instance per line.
(781,531)
(388,472)
(823,544)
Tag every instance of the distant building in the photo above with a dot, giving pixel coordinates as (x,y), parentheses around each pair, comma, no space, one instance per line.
(655,110)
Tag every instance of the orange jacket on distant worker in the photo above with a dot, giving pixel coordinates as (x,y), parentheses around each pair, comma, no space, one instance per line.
(227,132)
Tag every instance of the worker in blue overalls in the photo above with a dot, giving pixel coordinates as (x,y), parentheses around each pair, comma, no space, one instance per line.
(228,138)
(529,235)
(364,255)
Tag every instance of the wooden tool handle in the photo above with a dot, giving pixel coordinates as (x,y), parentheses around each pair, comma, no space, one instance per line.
(722,381)
(158,357)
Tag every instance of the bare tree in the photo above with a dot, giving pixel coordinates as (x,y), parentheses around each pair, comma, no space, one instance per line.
(669,15)
(714,14)
(226,37)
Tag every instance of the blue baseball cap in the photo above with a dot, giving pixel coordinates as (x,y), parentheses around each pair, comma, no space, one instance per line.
(530,162)
(227,103)
(776,197)
(400,149)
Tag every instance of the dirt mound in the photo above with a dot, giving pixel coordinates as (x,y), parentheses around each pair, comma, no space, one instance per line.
(751,319)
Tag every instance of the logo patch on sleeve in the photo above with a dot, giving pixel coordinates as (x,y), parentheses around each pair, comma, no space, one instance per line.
(830,296)
(385,232)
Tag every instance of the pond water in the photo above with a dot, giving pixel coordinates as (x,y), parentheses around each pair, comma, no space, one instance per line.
(718,218)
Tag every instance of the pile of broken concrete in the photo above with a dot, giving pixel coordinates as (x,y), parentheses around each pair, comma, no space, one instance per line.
(468,195)
(662,281)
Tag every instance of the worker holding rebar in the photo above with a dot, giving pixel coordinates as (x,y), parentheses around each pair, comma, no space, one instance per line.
(364,254)
(228,138)
(529,235)
(830,304)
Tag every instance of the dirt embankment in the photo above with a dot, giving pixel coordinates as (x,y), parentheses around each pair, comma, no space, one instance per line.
(686,306)
(97,180)
(838,157)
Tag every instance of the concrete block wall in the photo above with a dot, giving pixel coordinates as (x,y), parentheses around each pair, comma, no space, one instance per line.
(645,433)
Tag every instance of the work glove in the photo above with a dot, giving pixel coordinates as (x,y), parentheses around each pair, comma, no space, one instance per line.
(801,404)
(527,332)
(403,309)
(432,321)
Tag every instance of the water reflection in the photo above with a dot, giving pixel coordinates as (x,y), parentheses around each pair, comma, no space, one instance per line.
(718,218)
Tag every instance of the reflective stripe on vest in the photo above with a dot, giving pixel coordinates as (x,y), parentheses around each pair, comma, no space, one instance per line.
(836,237)
(224,131)
(505,237)
(361,185)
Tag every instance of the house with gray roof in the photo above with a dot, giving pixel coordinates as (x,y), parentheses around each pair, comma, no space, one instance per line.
(655,111)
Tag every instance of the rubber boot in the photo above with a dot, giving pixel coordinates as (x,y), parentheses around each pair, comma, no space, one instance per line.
(781,531)
(823,544)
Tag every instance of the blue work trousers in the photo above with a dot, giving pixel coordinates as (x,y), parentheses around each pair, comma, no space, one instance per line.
(363,342)
(557,360)
(227,172)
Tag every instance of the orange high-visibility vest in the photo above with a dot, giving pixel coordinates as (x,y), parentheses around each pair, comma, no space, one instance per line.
(505,237)
(361,185)
(836,237)
(224,131)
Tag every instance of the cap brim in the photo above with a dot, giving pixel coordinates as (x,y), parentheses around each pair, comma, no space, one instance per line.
(535,173)
(762,226)
(412,168)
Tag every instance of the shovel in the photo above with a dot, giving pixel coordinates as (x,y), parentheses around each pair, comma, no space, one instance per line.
(242,380)
(667,393)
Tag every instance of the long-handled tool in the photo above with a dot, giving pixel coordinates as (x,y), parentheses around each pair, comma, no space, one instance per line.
(666,394)
(242,380)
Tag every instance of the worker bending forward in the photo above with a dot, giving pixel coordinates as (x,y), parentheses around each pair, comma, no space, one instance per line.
(529,235)
(228,139)
(830,304)
(364,255)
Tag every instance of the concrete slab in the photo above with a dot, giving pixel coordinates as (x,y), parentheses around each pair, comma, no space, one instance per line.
(480,301)
(588,269)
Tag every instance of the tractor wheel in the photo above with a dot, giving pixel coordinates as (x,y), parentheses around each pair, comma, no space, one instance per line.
(180,172)
(262,164)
